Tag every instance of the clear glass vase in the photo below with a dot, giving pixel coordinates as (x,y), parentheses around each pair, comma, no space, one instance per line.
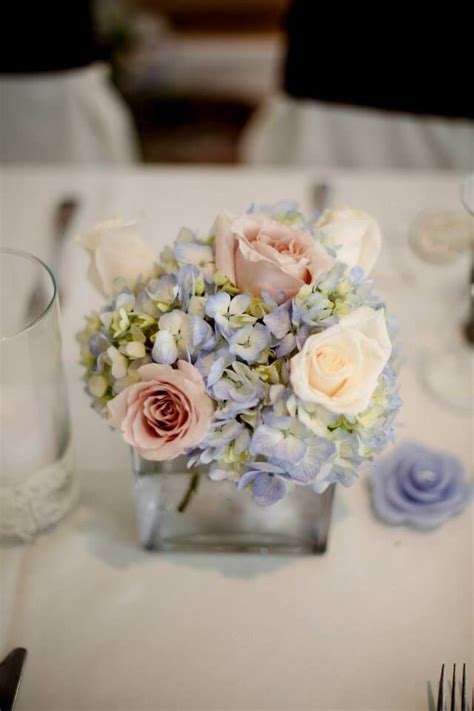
(185,511)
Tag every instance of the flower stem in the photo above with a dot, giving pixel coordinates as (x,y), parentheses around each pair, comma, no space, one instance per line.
(192,488)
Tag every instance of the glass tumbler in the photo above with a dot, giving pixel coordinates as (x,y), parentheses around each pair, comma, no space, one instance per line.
(37,483)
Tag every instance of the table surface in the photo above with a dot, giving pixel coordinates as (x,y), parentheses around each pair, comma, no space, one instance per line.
(364,627)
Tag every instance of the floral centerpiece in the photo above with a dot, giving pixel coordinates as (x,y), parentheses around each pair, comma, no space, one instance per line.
(258,350)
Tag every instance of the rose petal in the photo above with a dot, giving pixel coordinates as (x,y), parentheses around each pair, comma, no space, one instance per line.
(225,245)
(255,274)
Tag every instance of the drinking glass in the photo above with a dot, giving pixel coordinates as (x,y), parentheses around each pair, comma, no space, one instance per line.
(37,483)
(440,238)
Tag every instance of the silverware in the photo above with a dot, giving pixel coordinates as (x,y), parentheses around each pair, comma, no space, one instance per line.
(441,706)
(320,196)
(10,676)
(62,218)
(467,199)
(469,325)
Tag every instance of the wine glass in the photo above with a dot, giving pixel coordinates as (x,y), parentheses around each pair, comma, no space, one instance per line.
(447,374)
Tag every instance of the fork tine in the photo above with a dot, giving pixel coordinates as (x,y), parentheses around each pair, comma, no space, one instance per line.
(440,705)
(463,689)
(453,690)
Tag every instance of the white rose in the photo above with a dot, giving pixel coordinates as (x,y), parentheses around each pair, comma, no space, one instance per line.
(356,233)
(339,367)
(116,250)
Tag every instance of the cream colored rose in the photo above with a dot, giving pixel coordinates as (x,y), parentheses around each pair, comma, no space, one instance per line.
(116,250)
(339,367)
(356,233)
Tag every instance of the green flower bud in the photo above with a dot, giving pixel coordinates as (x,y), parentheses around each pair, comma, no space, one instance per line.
(137,334)
(97,385)
(134,349)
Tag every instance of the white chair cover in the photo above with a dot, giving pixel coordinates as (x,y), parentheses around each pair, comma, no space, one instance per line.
(309,133)
(73,116)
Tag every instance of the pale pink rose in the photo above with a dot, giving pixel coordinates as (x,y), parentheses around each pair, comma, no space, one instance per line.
(260,254)
(164,414)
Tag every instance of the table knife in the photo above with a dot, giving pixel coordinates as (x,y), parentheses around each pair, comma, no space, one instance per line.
(10,675)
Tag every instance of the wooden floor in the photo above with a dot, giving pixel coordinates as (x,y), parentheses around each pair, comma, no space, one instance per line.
(189,130)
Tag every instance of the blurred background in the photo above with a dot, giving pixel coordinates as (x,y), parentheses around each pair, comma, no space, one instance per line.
(234,81)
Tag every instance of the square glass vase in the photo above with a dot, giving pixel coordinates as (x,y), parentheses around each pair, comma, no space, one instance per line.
(181,510)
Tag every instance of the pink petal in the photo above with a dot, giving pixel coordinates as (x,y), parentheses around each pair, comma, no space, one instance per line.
(166,451)
(143,435)
(255,274)
(118,407)
(127,424)
(191,373)
(155,371)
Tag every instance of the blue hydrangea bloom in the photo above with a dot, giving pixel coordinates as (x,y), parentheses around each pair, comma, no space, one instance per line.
(249,342)
(240,389)
(124,300)
(186,278)
(266,481)
(287,443)
(98,343)
(212,364)
(314,310)
(280,438)
(278,321)
(193,253)
(164,289)
(228,313)
(180,335)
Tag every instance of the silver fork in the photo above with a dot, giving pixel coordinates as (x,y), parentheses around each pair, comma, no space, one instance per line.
(442,692)
(63,214)
(321,195)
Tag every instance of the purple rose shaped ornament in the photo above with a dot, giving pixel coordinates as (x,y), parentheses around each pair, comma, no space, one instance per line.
(419,487)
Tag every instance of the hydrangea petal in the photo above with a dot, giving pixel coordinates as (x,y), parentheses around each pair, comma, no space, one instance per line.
(285,346)
(201,333)
(268,489)
(276,444)
(193,253)
(164,349)
(239,304)
(319,451)
(217,304)
(172,321)
(278,321)
(249,342)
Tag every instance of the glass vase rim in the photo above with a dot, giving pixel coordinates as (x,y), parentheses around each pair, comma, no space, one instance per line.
(31,258)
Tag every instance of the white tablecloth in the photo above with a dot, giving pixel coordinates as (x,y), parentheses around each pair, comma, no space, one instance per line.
(364,627)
